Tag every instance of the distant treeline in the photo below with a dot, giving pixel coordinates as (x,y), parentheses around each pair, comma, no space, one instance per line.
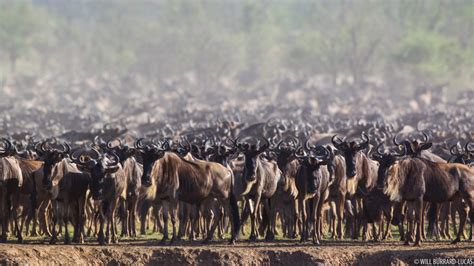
(400,42)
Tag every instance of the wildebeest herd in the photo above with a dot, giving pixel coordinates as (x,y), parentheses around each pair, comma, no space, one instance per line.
(297,175)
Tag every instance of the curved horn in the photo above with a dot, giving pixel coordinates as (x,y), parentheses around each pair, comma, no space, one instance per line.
(395,140)
(454,149)
(378,149)
(307,146)
(115,161)
(8,146)
(66,148)
(364,137)
(466,147)
(96,153)
(295,141)
(279,144)
(43,146)
(336,141)
(425,137)
(139,144)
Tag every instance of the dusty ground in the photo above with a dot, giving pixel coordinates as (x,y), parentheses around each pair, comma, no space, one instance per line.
(275,253)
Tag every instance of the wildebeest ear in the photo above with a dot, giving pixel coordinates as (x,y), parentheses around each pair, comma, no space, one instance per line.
(426,146)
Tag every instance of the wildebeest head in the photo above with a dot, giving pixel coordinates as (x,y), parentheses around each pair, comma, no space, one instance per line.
(122,151)
(100,166)
(350,150)
(285,151)
(218,152)
(51,152)
(385,159)
(251,152)
(7,149)
(150,154)
(311,160)
(415,147)
(461,156)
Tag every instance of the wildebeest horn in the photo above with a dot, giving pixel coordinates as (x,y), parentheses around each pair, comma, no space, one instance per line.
(307,146)
(466,147)
(66,148)
(96,153)
(295,141)
(364,137)
(395,141)
(378,149)
(115,161)
(139,144)
(8,146)
(425,137)
(454,150)
(279,144)
(336,141)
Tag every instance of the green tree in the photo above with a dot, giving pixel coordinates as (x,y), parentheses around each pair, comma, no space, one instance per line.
(20,22)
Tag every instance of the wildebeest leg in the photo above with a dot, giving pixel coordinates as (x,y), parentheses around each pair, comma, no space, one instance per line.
(340,214)
(419,221)
(271,214)
(67,240)
(423,233)
(55,212)
(144,210)
(317,213)
(389,217)
(100,236)
(34,223)
(245,215)
(43,221)
(4,214)
(236,225)
(470,203)
(304,225)
(166,209)
(214,222)
(410,218)
(349,217)
(253,216)
(15,198)
(133,215)
(453,217)
(123,212)
(462,219)
(79,233)
(174,218)
(112,209)
(443,217)
(220,224)
(194,222)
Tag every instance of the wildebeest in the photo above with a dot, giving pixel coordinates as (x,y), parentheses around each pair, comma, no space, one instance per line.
(361,172)
(313,180)
(285,197)
(11,179)
(66,187)
(108,186)
(417,179)
(194,182)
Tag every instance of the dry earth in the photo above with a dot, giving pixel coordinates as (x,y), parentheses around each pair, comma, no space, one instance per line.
(243,253)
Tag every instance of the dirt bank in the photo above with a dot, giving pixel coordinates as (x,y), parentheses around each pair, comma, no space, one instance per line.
(276,253)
